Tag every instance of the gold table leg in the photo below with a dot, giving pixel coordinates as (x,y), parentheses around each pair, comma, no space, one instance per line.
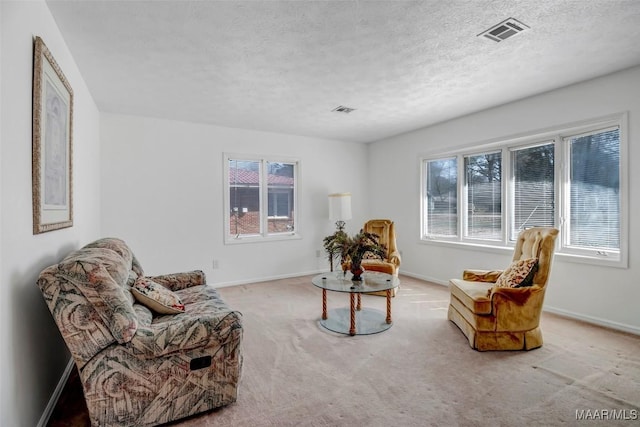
(388,306)
(352,329)
(359,306)
(324,304)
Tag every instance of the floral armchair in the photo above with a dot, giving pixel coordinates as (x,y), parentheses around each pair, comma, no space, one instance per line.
(140,367)
(500,310)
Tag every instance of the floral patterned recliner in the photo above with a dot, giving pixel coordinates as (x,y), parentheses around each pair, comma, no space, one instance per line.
(138,367)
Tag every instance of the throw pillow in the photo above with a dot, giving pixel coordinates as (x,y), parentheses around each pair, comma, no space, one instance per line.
(516,274)
(528,281)
(371,255)
(156,297)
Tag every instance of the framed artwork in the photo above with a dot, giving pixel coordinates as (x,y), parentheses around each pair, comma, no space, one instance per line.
(52,167)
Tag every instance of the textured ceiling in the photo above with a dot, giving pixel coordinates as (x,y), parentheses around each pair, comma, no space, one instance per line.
(282,66)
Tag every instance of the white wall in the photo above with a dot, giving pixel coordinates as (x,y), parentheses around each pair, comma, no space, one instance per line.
(33,355)
(604,295)
(4,305)
(162,189)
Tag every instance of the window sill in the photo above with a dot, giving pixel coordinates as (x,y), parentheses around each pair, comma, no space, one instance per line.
(498,248)
(592,260)
(501,249)
(231,240)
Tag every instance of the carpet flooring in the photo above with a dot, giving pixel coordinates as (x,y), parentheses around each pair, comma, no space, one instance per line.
(420,372)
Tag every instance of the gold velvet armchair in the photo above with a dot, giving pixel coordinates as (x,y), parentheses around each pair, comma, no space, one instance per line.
(390,263)
(504,313)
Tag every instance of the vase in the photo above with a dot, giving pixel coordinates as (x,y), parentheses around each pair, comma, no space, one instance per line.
(357,271)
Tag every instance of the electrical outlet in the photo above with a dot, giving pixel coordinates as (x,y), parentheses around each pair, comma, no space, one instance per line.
(216,264)
(318,253)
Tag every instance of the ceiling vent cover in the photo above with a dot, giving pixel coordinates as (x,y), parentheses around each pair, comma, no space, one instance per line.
(502,31)
(343,109)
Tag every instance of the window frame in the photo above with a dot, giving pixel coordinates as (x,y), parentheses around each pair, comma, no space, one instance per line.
(574,250)
(263,235)
(510,208)
(464,200)
(559,137)
(424,190)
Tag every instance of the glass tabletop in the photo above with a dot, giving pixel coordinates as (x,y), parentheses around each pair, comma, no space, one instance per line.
(372,281)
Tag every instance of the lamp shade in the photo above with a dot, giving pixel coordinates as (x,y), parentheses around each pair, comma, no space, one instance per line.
(340,206)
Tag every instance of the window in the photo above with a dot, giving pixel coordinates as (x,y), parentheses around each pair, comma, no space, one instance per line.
(594,188)
(260,201)
(571,178)
(440,198)
(484,195)
(533,197)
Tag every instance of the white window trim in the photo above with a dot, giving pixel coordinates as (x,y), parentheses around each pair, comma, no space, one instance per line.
(557,134)
(463,204)
(264,235)
(508,210)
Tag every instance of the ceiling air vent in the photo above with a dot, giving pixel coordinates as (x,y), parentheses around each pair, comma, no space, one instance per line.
(507,28)
(343,109)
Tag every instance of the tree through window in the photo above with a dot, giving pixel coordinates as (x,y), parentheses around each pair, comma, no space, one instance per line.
(564,178)
(594,182)
(483,177)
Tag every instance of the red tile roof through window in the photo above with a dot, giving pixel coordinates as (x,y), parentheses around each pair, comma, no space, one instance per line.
(243,176)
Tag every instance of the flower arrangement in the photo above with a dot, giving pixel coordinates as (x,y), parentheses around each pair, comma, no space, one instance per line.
(352,249)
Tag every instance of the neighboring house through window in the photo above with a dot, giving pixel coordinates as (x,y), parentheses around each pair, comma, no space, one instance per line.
(260,199)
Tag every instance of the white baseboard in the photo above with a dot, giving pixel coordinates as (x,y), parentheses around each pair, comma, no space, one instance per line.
(594,320)
(308,273)
(425,278)
(44,419)
(564,313)
(265,279)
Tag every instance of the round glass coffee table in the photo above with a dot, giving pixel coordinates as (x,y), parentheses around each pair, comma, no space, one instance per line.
(356,320)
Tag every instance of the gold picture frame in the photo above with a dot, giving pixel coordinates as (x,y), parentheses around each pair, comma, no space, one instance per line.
(52,167)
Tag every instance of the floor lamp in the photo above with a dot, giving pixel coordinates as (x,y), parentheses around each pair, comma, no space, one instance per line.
(339,211)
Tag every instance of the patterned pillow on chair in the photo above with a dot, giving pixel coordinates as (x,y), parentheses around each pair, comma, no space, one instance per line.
(156,297)
(518,274)
(371,255)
